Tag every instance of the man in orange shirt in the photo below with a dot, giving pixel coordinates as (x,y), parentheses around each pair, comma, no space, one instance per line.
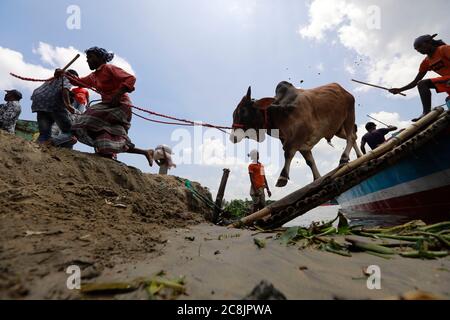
(258,182)
(437,60)
(81,98)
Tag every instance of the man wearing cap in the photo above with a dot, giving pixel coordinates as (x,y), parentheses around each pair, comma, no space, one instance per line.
(10,111)
(258,182)
(437,60)
(374,137)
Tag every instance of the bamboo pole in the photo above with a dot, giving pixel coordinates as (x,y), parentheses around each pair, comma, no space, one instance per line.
(375,86)
(251,218)
(384,124)
(71,62)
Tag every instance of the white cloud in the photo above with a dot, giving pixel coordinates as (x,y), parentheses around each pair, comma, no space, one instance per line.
(320,67)
(241,9)
(390,118)
(389,57)
(324,15)
(214,153)
(13,61)
(57,57)
(51,57)
(350,69)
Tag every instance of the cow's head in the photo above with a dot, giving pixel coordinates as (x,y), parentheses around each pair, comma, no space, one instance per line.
(247,120)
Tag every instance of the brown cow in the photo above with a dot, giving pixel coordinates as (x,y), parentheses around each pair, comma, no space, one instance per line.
(302,117)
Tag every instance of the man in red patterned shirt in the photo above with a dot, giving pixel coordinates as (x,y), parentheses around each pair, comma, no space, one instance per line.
(105,125)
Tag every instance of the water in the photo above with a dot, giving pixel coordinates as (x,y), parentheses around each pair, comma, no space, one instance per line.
(327,213)
(323,213)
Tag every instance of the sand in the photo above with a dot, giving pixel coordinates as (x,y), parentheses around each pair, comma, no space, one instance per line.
(231,267)
(61,208)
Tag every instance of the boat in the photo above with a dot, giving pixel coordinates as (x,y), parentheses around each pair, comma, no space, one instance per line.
(28,130)
(418,185)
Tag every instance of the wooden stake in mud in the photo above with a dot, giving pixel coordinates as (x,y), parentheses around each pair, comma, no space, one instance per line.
(375,86)
(220,194)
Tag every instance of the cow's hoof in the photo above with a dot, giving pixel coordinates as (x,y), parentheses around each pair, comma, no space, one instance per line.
(343,162)
(282,182)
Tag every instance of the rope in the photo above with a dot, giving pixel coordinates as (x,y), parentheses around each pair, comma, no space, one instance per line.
(180,121)
(30,79)
(188,185)
(162,122)
(187,122)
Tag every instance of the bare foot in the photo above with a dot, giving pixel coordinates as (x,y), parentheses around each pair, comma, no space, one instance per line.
(149,155)
(420,117)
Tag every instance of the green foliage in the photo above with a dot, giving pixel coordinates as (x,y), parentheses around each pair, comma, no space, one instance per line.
(259,243)
(414,239)
(238,208)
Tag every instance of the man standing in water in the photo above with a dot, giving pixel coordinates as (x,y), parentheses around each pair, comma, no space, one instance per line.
(437,60)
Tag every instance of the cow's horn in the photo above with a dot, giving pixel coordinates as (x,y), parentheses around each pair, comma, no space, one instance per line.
(249,93)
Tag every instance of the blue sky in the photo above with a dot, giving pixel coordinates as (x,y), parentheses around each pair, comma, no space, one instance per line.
(195,59)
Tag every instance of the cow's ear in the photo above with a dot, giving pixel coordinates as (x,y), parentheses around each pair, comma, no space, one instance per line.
(249,93)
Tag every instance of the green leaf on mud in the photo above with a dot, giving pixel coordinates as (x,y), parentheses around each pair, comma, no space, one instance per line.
(259,243)
(289,235)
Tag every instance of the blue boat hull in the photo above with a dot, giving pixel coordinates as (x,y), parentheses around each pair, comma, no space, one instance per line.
(418,185)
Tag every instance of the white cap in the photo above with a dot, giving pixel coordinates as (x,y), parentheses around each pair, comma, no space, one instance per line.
(253,154)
